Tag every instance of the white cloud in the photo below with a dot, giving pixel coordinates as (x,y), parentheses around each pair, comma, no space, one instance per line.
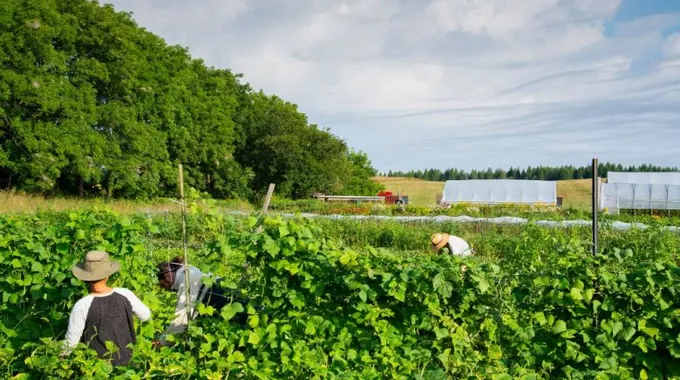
(672,47)
(467,83)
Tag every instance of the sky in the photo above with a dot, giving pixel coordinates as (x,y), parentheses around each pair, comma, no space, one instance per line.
(468,84)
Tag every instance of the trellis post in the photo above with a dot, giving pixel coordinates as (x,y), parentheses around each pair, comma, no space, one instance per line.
(596,203)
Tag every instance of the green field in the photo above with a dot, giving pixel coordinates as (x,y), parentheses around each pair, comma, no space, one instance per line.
(575,193)
(103,122)
(19,202)
(353,300)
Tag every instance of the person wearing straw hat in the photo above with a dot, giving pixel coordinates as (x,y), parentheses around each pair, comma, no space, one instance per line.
(454,244)
(106,313)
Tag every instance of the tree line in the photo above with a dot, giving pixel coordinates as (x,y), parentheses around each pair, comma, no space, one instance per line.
(547,173)
(93,104)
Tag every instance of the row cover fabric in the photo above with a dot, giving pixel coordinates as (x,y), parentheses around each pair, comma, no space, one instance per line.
(616,225)
(500,191)
(620,196)
(640,178)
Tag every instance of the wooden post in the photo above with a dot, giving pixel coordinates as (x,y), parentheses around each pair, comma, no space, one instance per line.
(265,207)
(596,202)
(185,247)
(268,198)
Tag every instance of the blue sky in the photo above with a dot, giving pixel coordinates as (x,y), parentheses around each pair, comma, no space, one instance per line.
(454,83)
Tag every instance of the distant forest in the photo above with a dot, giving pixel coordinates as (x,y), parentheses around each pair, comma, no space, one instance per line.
(547,173)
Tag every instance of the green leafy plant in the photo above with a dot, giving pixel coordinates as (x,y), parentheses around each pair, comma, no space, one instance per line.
(534,303)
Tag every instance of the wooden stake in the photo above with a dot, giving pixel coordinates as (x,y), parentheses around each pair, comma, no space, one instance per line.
(265,207)
(268,198)
(185,245)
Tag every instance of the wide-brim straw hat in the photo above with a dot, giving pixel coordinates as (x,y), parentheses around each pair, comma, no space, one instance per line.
(439,241)
(97,266)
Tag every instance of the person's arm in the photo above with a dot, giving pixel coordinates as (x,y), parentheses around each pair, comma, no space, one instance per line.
(138,307)
(76,325)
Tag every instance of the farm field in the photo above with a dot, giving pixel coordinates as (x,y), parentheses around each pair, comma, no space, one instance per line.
(103,122)
(420,192)
(347,299)
(575,193)
(14,202)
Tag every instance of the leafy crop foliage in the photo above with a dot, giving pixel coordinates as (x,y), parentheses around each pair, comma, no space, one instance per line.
(546,308)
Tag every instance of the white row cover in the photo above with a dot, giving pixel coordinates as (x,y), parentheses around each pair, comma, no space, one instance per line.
(616,225)
(500,191)
(657,178)
(620,196)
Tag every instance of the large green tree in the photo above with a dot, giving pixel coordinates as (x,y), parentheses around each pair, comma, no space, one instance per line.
(90,103)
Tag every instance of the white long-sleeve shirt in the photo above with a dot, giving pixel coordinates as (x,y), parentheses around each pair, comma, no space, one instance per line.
(79,314)
(179,324)
(458,246)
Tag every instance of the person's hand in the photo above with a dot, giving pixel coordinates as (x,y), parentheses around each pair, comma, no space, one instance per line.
(156,344)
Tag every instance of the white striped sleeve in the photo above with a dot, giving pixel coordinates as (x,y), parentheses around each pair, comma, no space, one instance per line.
(76,323)
(138,308)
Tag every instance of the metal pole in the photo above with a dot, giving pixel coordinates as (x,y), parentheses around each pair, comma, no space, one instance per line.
(634,209)
(596,199)
(616,186)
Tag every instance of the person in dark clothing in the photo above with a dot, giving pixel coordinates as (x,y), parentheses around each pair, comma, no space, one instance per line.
(106,313)
(171,278)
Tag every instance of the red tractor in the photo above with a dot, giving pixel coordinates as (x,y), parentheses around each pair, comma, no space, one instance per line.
(391,199)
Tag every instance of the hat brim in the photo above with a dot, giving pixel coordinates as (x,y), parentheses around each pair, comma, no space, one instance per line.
(442,243)
(84,275)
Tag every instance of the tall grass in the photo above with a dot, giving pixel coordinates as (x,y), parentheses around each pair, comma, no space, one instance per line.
(19,202)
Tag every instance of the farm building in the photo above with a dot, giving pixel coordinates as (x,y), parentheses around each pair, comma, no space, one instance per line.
(640,191)
(497,191)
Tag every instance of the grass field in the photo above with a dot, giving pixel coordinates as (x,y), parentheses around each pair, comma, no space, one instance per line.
(17,202)
(574,193)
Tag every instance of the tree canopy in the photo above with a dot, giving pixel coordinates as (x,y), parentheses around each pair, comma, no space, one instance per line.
(90,103)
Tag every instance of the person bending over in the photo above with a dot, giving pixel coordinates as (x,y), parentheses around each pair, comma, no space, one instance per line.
(454,244)
(171,278)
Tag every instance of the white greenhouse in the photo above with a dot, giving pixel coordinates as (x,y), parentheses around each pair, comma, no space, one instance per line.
(654,178)
(640,191)
(496,191)
(639,196)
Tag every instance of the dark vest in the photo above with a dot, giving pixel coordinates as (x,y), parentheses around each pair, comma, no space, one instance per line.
(110,319)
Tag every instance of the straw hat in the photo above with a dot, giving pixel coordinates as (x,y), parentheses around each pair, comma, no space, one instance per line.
(96,266)
(439,241)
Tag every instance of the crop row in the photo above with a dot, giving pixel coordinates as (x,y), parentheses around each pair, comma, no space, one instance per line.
(536,304)
(474,210)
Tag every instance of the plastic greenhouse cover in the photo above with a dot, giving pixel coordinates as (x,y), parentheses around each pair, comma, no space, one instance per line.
(500,191)
(639,196)
(657,178)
